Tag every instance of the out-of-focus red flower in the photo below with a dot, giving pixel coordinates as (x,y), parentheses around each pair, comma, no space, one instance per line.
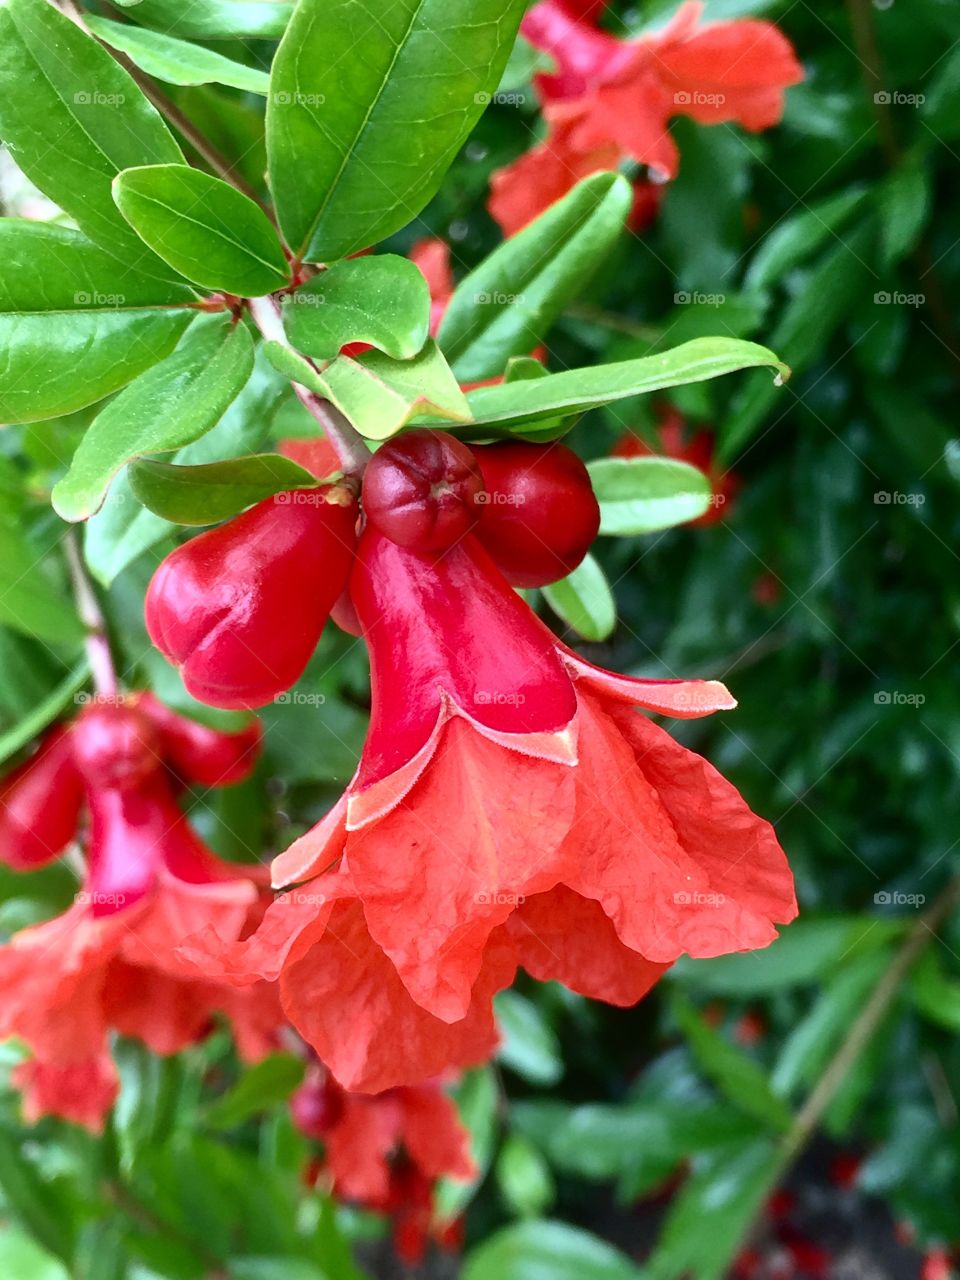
(109,962)
(936,1265)
(697,447)
(511,807)
(386,1151)
(608,100)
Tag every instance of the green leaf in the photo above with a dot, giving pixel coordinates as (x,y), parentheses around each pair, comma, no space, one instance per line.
(545,1250)
(213,491)
(794,239)
(380,395)
(206,229)
(905,206)
(477,1098)
(737,1077)
(383,300)
(523,64)
(213,19)
(584,601)
(94,325)
(369,104)
(282,1268)
(164,409)
(177,61)
(577,390)
(936,994)
(643,495)
(707,1221)
(23,1258)
(73,118)
(263,1086)
(122,529)
(530,1046)
(508,303)
(29,602)
(43,714)
(523,1177)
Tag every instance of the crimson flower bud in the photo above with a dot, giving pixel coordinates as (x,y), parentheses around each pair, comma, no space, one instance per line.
(116,747)
(540,515)
(198,754)
(421,489)
(40,805)
(317,1107)
(240,608)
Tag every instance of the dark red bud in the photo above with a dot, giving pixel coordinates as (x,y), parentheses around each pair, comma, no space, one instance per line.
(40,804)
(200,755)
(317,1107)
(540,515)
(420,490)
(115,746)
(240,608)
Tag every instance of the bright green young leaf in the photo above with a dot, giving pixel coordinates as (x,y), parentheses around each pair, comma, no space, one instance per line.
(93,327)
(584,601)
(29,602)
(508,303)
(382,299)
(529,1046)
(73,118)
(523,1177)
(369,104)
(644,495)
(545,1250)
(213,491)
(380,395)
(165,408)
(518,404)
(264,1085)
(177,61)
(205,228)
(213,19)
(22,1257)
(737,1077)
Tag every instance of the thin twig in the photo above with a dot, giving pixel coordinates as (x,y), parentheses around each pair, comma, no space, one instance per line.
(88,607)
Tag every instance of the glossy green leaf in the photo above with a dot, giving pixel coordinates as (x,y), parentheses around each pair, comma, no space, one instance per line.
(177,61)
(213,491)
(380,395)
(164,409)
(545,1250)
(737,1076)
(264,1085)
(73,118)
(524,1177)
(507,304)
(122,530)
(584,601)
(383,300)
(644,495)
(577,390)
(29,600)
(93,326)
(206,229)
(214,19)
(359,144)
(529,1045)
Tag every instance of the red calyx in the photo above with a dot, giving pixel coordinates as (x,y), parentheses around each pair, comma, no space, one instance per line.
(540,514)
(240,609)
(422,490)
(40,805)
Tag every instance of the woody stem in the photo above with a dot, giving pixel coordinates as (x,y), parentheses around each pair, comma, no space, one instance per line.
(88,607)
(346,440)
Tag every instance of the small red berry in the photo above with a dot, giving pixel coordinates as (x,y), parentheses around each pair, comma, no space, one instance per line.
(421,489)
(540,515)
(240,609)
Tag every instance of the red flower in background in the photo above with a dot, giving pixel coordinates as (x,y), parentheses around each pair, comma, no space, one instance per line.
(108,963)
(676,440)
(610,100)
(386,1151)
(511,807)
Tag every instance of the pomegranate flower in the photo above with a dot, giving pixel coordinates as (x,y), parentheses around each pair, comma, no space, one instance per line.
(511,807)
(386,1151)
(109,963)
(610,100)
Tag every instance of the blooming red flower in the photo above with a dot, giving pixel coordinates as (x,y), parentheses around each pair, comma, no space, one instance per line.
(511,807)
(608,99)
(386,1151)
(109,962)
(677,441)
